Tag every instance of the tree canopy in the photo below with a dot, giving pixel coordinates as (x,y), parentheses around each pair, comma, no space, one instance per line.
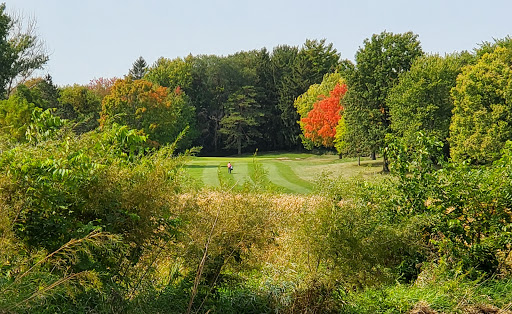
(379,64)
(160,112)
(421,100)
(139,69)
(21,50)
(321,122)
(482,114)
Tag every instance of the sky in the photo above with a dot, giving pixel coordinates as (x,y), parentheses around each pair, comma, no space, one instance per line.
(88,39)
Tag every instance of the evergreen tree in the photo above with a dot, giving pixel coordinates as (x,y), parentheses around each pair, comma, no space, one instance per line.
(268,98)
(243,116)
(138,69)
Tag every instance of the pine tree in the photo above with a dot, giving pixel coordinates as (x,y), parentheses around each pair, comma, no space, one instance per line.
(242,119)
(138,69)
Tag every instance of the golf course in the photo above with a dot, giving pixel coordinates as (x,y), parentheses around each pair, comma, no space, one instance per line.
(288,172)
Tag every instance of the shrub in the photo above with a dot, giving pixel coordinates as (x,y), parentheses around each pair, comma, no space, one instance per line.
(357,239)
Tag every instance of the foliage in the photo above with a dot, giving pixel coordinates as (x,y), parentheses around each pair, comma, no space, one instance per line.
(242,119)
(208,94)
(353,142)
(482,108)
(43,126)
(34,280)
(305,102)
(43,93)
(421,100)
(357,238)
(268,96)
(15,116)
(468,206)
(339,137)
(321,122)
(139,69)
(58,191)
(456,295)
(21,50)
(85,106)
(161,113)
(489,47)
(27,48)
(6,53)
(102,86)
(21,120)
(171,73)
(301,69)
(216,82)
(57,194)
(378,65)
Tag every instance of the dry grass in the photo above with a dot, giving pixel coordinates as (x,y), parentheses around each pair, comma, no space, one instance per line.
(263,228)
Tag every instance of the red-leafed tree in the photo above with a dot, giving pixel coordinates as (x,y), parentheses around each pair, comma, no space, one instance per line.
(320,123)
(102,86)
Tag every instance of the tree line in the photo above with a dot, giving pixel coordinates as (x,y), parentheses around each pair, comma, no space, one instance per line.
(98,212)
(397,90)
(288,98)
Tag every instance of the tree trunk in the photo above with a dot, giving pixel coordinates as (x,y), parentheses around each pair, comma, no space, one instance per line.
(385,163)
(215,140)
(239,145)
(373,156)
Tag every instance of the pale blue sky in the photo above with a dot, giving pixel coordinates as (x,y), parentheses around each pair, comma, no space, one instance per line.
(89,39)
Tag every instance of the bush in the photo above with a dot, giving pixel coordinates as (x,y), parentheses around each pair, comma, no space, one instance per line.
(52,192)
(358,240)
(468,206)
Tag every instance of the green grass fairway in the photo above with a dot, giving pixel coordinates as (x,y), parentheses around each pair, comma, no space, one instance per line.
(292,173)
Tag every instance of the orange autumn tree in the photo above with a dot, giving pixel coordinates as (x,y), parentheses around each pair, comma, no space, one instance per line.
(160,112)
(320,123)
(101,86)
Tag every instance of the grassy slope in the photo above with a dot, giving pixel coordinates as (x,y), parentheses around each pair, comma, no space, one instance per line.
(293,173)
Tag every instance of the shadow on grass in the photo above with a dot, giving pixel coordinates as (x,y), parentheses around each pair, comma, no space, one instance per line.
(371,163)
(200,166)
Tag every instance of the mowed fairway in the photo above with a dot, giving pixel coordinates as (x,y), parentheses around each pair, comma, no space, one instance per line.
(291,173)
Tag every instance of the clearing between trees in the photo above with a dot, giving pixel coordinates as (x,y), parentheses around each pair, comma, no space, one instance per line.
(289,172)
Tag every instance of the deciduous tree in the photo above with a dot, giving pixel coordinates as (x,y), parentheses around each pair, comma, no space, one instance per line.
(6,53)
(28,49)
(308,67)
(320,123)
(482,114)
(378,65)
(171,73)
(315,93)
(21,50)
(421,100)
(15,116)
(160,112)
(102,86)
(85,106)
